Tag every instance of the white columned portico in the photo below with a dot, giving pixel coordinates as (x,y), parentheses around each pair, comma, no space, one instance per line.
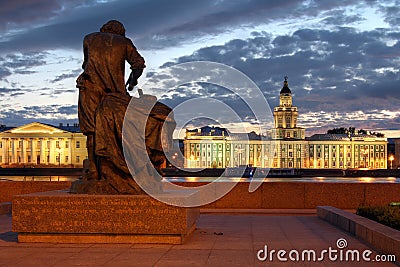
(33,151)
(69,150)
(42,151)
(23,151)
(60,151)
(52,151)
(4,151)
(14,154)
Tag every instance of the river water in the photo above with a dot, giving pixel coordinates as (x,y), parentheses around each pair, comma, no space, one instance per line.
(292,179)
(39,178)
(227,179)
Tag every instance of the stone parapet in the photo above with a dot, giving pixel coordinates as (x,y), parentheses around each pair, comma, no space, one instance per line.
(384,238)
(8,189)
(270,195)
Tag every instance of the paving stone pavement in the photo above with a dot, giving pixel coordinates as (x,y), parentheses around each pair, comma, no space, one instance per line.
(219,240)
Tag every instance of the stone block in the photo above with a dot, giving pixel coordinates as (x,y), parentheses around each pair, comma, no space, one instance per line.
(240,198)
(340,195)
(5,208)
(374,195)
(283,195)
(8,189)
(384,238)
(361,231)
(61,217)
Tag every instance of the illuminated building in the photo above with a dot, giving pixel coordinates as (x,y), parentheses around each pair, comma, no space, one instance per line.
(347,151)
(285,117)
(38,144)
(285,146)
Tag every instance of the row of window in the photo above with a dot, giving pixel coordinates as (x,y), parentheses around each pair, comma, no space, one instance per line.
(239,146)
(356,147)
(19,144)
(348,164)
(29,159)
(356,155)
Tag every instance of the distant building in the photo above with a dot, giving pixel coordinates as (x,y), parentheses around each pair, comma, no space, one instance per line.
(347,151)
(38,144)
(285,146)
(285,117)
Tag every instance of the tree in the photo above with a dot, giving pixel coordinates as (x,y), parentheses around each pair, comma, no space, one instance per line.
(352,130)
(337,131)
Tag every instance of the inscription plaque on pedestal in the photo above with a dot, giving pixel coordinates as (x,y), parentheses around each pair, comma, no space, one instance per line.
(60,217)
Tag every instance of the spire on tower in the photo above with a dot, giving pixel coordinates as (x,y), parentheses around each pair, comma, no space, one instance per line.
(285,89)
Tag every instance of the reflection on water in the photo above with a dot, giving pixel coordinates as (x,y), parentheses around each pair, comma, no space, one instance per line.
(39,178)
(290,179)
(227,179)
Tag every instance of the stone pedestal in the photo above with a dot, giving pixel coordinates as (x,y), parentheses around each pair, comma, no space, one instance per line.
(61,217)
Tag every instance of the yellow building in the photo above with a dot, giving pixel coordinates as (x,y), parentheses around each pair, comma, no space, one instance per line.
(285,117)
(285,146)
(342,151)
(38,144)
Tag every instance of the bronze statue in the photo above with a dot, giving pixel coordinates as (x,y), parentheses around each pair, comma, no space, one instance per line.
(103,101)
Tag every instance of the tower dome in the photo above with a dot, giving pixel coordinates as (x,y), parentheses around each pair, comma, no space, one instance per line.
(285,89)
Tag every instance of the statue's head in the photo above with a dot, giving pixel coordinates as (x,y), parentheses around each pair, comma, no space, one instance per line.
(113,26)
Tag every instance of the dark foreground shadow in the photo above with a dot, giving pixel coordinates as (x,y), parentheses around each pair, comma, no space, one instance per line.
(9,237)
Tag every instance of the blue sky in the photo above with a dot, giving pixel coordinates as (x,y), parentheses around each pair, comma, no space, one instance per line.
(342,57)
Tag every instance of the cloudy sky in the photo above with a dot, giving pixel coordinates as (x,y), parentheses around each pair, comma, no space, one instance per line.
(342,57)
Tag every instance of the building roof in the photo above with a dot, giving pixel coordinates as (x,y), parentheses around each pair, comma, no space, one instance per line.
(5,128)
(344,137)
(328,137)
(218,131)
(73,128)
(209,131)
(246,136)
(285,89)
(39,127)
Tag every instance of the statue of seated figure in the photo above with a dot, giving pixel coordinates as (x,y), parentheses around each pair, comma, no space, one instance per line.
(102,111)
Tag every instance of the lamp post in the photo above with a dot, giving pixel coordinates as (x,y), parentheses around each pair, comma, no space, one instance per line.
(173,162)
(391,158)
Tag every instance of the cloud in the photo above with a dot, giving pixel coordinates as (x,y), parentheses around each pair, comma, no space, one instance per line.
(7,91)
(52,114)
(26,60)
(343,70)
(331,66)
(61,77)
(21,63)
(19,13)
(341,19)
(4,72)
(392,13)
(153,24)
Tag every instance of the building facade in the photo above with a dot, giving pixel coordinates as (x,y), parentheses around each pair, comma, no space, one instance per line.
(285,146)
(38,144)
(347,151)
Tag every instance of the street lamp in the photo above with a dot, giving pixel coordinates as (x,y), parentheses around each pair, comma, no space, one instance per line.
(173,162)
(391,158)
